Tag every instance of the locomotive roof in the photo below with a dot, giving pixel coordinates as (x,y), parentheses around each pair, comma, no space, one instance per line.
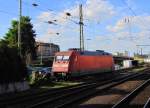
(68,53)
(94,53)
(98,52)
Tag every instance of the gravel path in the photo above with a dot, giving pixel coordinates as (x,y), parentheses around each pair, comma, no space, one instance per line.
(141,99)
(109,97)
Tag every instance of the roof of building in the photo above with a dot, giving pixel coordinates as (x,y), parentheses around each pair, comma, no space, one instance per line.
(46,44)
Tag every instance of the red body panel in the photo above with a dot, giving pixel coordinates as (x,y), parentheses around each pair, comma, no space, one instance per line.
(62,66)
(83,63)
(89,63)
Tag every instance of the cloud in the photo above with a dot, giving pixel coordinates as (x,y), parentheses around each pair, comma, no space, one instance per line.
(125,23)
(93,10)
(117,36)
(99,10)
(126,35)
(119,26)
(47,35)
(143,22)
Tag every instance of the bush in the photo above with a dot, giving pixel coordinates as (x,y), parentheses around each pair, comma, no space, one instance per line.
(12,68)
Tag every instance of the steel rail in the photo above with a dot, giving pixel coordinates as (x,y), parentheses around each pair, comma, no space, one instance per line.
(147,104)
(99,90)
(36,95)
(20,97)
(106,86)
(23,98)
(125,101)
(45,95)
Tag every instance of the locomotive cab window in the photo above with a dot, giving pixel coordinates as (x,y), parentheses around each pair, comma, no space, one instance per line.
(58,58)
(66,58)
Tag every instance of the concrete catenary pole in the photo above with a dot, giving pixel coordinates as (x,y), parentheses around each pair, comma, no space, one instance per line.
(19,27)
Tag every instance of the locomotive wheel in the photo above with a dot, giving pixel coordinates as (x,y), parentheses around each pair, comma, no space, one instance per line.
(68,77)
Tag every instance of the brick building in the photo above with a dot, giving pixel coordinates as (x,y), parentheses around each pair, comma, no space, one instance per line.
(46,50)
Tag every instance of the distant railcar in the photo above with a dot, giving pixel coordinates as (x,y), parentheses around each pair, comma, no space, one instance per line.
(77,63)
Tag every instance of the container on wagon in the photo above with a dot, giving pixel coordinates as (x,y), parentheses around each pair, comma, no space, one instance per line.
(127,63)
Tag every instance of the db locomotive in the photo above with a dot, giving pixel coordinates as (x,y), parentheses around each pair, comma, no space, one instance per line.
(76,63)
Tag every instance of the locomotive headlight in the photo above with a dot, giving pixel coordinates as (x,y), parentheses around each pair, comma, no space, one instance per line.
(63,74)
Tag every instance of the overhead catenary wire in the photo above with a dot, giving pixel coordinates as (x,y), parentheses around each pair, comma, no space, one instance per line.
(134,13)
(55,23)
(50,10)
(53,12)
(71,18)
(8,13)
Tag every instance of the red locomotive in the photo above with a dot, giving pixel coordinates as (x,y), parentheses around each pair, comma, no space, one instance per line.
(77,63)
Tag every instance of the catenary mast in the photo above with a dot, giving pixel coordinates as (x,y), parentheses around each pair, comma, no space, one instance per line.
(81,28)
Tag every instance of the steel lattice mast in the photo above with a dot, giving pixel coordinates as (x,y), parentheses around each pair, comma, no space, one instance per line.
(81,28)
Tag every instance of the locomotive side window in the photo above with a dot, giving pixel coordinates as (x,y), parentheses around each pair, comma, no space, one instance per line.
(66,58)
(58,58)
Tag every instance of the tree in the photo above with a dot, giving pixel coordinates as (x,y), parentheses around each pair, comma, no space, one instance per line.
(12,68)
(28,45)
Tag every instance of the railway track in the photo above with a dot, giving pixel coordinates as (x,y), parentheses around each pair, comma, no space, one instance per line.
(28,98)
(32,92)
(77,94)
(147,104)
(34,101)
(125,102)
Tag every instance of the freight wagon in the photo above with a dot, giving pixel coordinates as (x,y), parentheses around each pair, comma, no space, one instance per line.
(77,63)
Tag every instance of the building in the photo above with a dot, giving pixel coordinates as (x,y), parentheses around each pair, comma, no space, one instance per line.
(141,58)
(126,53)
(147,60)
(46,50)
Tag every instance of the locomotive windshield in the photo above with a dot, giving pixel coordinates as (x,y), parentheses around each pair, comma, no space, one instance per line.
(66,58)
(62,58)
(58,58)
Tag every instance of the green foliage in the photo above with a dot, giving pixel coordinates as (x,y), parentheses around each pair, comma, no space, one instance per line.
(45,63)
(11,35)
(3,43)
(27,37)
(12,68)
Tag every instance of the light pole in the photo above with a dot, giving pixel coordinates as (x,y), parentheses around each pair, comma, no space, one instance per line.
(51,48)
(19,27)
(141,51)
(41,60)
(87,42)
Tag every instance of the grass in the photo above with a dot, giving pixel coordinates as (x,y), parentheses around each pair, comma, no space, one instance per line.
(59,84)
(51,84)
(139,69)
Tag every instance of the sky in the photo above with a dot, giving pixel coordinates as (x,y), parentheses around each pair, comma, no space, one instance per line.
(110,25)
